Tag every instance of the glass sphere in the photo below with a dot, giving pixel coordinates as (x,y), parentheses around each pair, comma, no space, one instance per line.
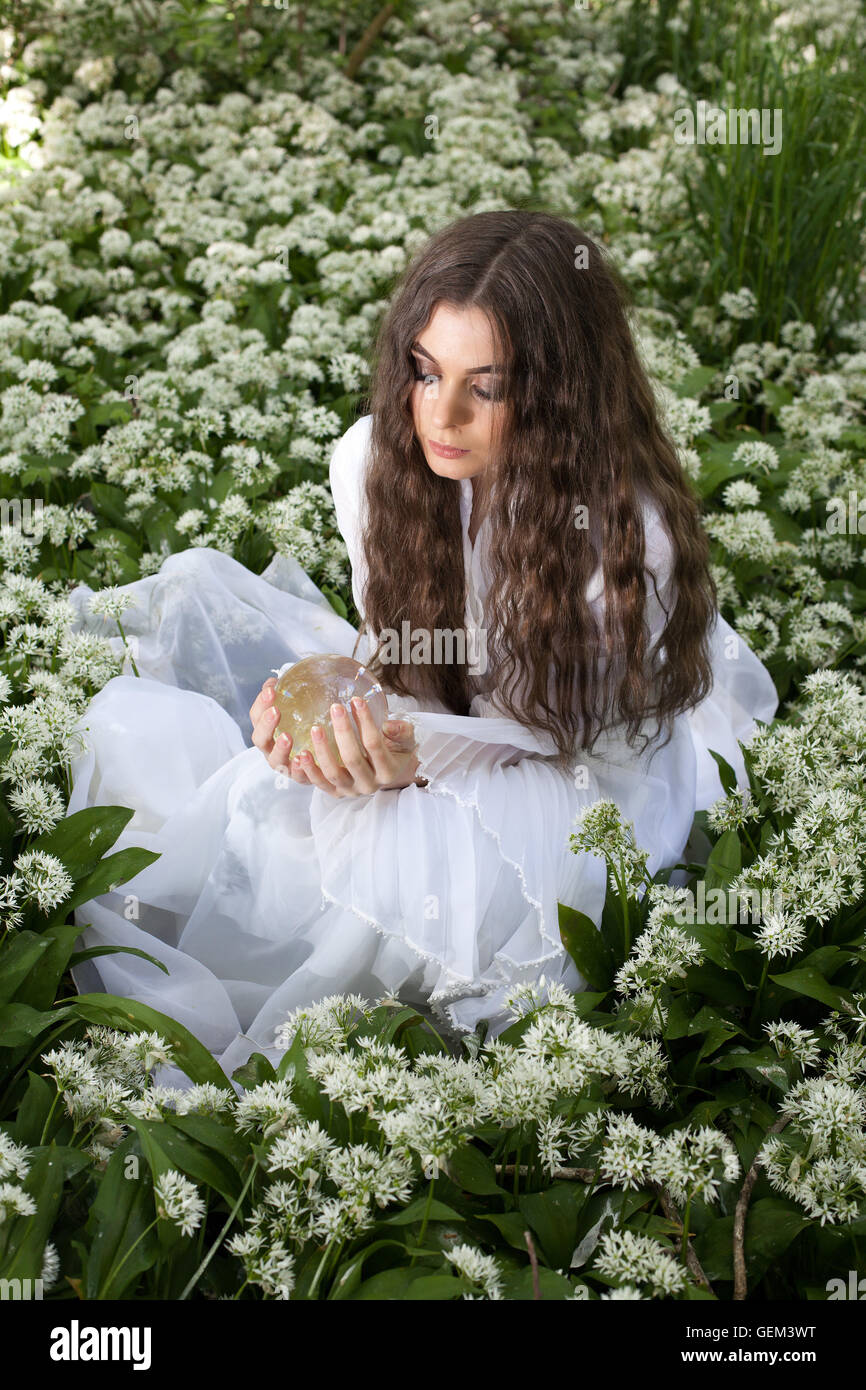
(306,689)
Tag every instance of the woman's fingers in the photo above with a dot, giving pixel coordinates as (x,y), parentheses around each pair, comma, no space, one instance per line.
(281,753)
(355,760)
(312,774)
(264,729)
(264,700)
(379,743)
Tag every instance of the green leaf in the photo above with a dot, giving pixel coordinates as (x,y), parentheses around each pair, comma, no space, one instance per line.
(771,1225)
(584,944)
(20,1024)
(39,990)
(165,1147)
(80,840)
(725,861)
(436,1286)
(519,1286)
(34,1109)
(17,960)
(391,1284)
(28,1234)
(336,602)
(553,1216)
(190,1055)
(763,1063)
(416,1210)
(811,982)
(695,381)
(254,1071)
(727,775)
(472,1171)
(512,1226)
(111,501)
(212,1133)
(119,1215)
(92,951)
(117,868)
(348,1276)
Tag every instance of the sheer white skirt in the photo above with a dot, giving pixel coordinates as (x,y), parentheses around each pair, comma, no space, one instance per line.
(269,895)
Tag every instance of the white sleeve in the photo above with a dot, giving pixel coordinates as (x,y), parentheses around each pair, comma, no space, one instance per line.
(346,473)
(658,573)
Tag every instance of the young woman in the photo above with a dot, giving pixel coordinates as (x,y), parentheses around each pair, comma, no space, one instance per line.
(510,483)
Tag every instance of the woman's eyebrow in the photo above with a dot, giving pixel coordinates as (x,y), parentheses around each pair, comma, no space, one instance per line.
(473,371)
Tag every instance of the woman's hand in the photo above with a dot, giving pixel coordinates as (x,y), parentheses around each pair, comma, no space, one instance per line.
(386,759)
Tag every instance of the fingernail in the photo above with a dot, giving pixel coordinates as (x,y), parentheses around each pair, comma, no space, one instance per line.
(317,731)
(272,713)
(338,712)
(392,727)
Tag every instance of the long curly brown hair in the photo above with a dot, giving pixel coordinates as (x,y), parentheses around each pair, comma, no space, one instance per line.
(581,426)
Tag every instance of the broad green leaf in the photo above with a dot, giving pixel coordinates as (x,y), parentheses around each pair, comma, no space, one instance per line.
(254,1071)
(109,873)
(725,861)
(390,1284)
(584,943)
(811,982)
(512,1226)
(727,775)
(472,1171)
(190,1055)
(27,1236)
(416,1210)
(553,1216)
(80,840)
(119,1215)
(39,990)
(348,1276)
(18,959)
(212,1133)
(552,1287)
(34,1109)
(166,1147)
(436,1286)
(20,1024)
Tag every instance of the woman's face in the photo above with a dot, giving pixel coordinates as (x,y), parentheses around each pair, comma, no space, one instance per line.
(454,398)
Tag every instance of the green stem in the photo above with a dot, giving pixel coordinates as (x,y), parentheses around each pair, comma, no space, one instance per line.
(321,1267)
(684,1247)
(757,1004)
(517,1171)
(191,1283)
(127,646)
(115,1269)
(48,1118)
(426,1214)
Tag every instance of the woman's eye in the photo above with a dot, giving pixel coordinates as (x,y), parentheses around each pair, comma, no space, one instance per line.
(428,377)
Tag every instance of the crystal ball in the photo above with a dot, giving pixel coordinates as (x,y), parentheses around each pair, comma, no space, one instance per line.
(306,689)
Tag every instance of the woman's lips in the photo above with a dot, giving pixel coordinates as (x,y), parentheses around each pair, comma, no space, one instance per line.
(446,451)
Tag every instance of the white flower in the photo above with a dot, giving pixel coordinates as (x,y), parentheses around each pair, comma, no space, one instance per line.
(177,1200)
(111,601)
(481,1270)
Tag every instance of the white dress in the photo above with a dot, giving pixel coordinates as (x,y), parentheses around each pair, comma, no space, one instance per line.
(269,894)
